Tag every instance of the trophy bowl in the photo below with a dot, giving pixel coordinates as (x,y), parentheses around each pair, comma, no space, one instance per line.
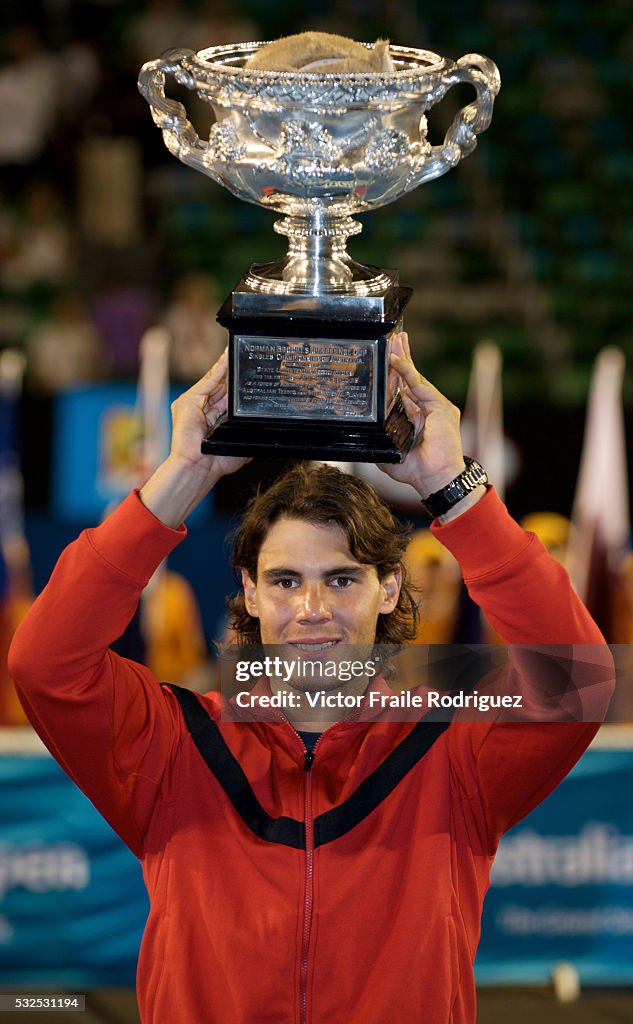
(318,147)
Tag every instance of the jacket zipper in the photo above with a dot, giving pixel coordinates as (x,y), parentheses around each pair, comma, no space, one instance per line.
(308,901)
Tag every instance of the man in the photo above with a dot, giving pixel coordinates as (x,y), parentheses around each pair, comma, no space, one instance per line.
(339,884)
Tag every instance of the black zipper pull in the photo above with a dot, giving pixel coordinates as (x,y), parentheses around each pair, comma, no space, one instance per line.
(308,759)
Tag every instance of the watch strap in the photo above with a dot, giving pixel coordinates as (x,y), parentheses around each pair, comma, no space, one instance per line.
(440,502)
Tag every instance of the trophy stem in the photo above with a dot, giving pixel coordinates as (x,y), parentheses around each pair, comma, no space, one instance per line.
(317,261)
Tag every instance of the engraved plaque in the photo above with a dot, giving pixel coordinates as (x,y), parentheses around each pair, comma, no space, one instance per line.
(316,378)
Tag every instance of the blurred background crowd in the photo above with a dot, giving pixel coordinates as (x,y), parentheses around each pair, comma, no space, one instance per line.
(527,246)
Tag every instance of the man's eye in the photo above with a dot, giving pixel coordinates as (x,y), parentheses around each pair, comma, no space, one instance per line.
(286,583)
(342,581)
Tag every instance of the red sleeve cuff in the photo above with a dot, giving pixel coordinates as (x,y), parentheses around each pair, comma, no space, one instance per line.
(484,538)
(133,540)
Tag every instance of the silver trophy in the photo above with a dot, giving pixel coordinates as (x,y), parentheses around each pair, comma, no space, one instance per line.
(309,333)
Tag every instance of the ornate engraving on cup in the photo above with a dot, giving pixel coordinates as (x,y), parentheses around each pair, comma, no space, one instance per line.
(316,378)
(225,141)
(318,147)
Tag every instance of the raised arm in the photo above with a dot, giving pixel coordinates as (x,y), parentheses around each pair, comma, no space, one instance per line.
(187,476)
(436,456)
(528,598)
(103,717)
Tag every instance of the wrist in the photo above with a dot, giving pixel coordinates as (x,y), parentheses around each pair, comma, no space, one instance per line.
(175,488)
(463,505)
(452,493)
(431,483)
(203,473)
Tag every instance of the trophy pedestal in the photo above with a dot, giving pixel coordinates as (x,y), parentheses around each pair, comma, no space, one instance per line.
(312,381)
(311,441)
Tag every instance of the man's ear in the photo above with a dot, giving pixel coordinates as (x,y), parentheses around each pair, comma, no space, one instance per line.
(250,590)
(391,585)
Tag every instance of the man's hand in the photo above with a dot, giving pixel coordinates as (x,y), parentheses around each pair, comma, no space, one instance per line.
(436,456)
(187,476)
(194,414)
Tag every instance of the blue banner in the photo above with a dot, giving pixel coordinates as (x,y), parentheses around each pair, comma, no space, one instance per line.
(98,451)
(72,900)
(562,884)
(73,904)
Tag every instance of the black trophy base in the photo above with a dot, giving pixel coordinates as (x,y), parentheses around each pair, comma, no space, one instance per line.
(311,387)
(331,442)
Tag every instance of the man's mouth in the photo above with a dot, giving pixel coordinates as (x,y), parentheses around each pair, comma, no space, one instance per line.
(313,645)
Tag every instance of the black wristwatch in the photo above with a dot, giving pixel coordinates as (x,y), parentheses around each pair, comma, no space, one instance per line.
(438,503)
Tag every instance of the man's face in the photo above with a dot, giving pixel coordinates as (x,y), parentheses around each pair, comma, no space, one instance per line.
(312,594)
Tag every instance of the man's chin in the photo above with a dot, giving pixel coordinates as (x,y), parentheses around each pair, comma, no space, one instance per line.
(315,666)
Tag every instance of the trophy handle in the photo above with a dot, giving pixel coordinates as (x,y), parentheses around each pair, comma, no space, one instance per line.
(179,134)
(461,137)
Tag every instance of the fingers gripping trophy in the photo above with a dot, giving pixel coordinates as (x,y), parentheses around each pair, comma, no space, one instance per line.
(317,128)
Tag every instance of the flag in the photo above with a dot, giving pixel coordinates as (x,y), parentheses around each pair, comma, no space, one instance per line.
(600,513)
(482,436)
(482,422)
(151,429)
(153,396)
(169,623)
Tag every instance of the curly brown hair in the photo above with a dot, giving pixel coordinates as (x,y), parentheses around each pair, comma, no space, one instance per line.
(324,495)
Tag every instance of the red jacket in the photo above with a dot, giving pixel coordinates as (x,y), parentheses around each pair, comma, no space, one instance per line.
(351,892)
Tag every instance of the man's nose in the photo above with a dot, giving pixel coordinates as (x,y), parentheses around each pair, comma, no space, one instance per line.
(314,604)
